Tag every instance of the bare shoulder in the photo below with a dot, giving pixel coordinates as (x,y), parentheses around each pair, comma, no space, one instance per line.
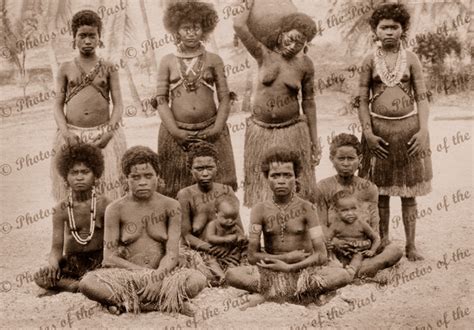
(185,193)
(166,201)
(60,209)
(213,57)
(308,64)
(167,59)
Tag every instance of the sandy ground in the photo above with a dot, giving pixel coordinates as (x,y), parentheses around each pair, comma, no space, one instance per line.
(430,294)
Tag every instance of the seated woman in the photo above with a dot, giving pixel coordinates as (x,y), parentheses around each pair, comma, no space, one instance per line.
(142,255)
(345,154)
(188,82)
(198,205)
(291,266)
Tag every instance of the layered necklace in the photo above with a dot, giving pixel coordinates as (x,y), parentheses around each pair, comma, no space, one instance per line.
(72,222)
(282,216)
(390,77)
(190,67)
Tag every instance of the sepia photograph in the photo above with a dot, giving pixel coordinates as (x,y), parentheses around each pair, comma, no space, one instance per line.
(236,164)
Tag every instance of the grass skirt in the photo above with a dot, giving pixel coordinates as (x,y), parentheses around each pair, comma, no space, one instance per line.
(297,287)
(258,140)
(125,284)
(111,184)
(174,168)
(398,174)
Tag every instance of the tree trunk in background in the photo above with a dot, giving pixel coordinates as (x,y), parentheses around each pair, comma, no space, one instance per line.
(152,67)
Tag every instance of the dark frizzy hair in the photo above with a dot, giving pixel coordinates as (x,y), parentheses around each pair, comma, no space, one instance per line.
(87,154)
(191,12)
(280,155)
(231,200)
(296,21)
(201,149)
(343,194)
(394,11)
(139,155)
(344,139)
(85,17)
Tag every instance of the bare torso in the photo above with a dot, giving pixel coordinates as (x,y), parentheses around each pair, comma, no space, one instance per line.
(143,230)
(82,220)
(279,81)
(349,232)
(296,235)
(88,108)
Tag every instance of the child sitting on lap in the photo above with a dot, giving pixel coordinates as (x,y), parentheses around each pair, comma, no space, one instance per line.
(350,238)
(224,231)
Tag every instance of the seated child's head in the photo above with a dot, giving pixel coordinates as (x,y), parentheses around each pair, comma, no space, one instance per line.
(80,165)
(346,206)
(140,166)
(227,210)
(345,154)
(281,167)
(202,160)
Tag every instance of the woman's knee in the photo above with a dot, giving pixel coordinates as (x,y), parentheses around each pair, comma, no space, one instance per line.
(195,283)
(408,201)
(384,201)
(41,280)
(88,285)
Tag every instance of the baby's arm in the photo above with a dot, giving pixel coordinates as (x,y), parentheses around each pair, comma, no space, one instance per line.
(374,237)
(213,238)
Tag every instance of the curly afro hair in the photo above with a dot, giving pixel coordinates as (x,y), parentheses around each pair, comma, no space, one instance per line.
(87,154)
(343,140)
(191,12)
(85,17)
(280,155)
(201,149)
(343,194)
(394,11)
(296,21)
(139,155)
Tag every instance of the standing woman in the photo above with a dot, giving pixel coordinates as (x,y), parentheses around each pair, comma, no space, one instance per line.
(394,116)
(187,81)
(284,71)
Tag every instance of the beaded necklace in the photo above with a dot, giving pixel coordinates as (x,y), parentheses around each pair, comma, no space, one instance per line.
(390,77)
(72,222)
(283,216)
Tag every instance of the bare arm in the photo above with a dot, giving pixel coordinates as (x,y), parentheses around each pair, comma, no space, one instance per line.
(374,237)
(186,226)
(322,207)
(59,116)
(213,238)
(222,95)
(377,145)
(57,242)
(254,47)
(419,141)
(319,255)
(163,95)
(170,260)
(112,242)
(309,107)
(117,110)
(256,226)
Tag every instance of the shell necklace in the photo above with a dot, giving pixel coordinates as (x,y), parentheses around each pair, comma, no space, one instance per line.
(72,222)
(390,77)
(283,216)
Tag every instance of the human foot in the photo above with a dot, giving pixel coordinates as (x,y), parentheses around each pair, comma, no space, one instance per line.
(413,255)
(253,300)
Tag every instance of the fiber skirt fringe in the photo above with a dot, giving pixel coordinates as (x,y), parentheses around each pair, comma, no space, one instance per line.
(173,161)
(125,284)
(258,140)
(111,184)
(398,174)
(293,286)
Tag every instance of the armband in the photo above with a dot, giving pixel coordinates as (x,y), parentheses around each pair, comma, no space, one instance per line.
(316,232)
(255,229)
